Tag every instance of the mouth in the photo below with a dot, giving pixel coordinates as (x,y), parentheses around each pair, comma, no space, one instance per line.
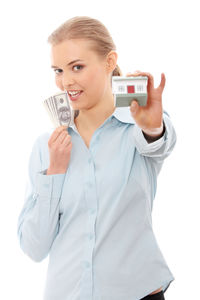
(74,95)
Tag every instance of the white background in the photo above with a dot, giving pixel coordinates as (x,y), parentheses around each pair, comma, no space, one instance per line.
(152,36)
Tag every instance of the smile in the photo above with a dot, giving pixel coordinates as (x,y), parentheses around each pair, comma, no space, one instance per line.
(74,95)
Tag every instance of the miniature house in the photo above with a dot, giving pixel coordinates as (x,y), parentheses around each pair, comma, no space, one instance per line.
(125,89)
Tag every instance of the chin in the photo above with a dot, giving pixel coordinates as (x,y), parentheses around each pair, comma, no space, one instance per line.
(80,106)
(76,106)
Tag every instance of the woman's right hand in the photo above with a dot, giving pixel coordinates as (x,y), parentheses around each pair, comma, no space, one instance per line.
(60,146)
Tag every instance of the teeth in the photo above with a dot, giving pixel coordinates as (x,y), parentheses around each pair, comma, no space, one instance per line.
(74,93)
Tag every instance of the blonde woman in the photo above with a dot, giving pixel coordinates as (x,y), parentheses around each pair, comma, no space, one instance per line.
(91,186)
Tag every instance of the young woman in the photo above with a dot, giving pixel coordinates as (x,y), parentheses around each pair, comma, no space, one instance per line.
(91,186)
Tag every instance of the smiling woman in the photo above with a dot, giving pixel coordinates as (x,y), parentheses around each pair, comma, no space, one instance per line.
(91,187)
(84,75)
(88,29)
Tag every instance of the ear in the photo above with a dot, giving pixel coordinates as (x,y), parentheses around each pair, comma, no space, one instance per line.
(111,61)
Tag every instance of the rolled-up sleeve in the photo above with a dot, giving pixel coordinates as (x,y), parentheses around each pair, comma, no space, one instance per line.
(38,222)
(158,150)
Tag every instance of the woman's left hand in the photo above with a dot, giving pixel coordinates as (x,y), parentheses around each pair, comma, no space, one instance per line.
(150,117)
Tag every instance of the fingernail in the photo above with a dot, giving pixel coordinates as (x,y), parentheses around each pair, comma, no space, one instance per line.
(133,105)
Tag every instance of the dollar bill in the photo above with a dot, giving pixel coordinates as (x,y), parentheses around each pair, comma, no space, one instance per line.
(59,109)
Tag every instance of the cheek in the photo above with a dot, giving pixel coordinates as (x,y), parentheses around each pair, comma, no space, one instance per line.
(59,84)
(96,79)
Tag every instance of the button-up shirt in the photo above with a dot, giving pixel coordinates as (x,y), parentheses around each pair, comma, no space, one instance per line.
(95,220)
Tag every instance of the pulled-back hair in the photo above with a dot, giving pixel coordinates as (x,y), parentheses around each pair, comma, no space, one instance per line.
(84,27)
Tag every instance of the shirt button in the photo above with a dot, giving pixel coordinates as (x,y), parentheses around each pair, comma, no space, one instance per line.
(46,185)
(87,264)
(35,196)
(90,236)
(92,212)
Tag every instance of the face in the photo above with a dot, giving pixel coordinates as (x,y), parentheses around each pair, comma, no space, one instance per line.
(78,68)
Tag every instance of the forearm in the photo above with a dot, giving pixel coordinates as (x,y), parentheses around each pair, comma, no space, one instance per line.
(159,148)
(155,134)
(39,220)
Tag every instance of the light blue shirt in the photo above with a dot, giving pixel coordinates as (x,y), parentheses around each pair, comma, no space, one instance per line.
(95,221)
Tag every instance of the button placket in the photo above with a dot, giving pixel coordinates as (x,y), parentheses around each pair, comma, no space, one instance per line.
(91,201)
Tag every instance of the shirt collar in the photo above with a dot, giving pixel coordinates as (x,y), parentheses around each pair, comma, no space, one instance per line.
(122,114)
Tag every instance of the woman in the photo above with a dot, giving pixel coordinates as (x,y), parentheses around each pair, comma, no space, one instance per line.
(91,186)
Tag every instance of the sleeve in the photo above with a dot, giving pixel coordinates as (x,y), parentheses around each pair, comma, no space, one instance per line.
(38,222)
(157,151)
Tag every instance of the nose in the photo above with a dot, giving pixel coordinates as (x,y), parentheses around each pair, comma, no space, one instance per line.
(67,81)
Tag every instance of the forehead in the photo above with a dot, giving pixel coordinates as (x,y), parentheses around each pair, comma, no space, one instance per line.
(70,50)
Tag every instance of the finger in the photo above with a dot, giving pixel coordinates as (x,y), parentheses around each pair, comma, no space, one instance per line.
(134,107)
(150,77)
(133,74)
(61,137)
(56,133)
(68,146)
(66,141)
(128,74)
(162,82)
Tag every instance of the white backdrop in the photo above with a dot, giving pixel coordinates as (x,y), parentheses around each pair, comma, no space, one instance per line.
(152,36)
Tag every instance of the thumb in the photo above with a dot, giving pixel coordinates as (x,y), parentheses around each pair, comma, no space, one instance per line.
(134,107)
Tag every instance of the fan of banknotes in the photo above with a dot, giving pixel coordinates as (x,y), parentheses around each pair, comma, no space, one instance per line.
(59,109)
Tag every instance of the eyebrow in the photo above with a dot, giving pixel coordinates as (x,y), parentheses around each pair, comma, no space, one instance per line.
(72,62)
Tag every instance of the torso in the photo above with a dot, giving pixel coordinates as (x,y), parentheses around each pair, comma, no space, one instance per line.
(86,136)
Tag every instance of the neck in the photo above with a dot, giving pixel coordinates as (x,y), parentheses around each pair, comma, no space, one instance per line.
(90,119)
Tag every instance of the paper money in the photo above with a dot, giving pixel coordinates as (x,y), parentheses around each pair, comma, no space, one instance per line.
(59,109)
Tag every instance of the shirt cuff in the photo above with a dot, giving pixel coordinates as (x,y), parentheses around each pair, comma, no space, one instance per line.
(152,136)
(143,146)
(49,186)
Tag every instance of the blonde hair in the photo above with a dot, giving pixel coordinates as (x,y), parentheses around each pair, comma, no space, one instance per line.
(83,27)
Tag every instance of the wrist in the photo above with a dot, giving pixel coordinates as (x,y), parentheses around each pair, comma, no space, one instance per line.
(51,171)
(154,134)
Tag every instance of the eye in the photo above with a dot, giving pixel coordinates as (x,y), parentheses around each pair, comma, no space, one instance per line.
(57,71)
(80,67)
